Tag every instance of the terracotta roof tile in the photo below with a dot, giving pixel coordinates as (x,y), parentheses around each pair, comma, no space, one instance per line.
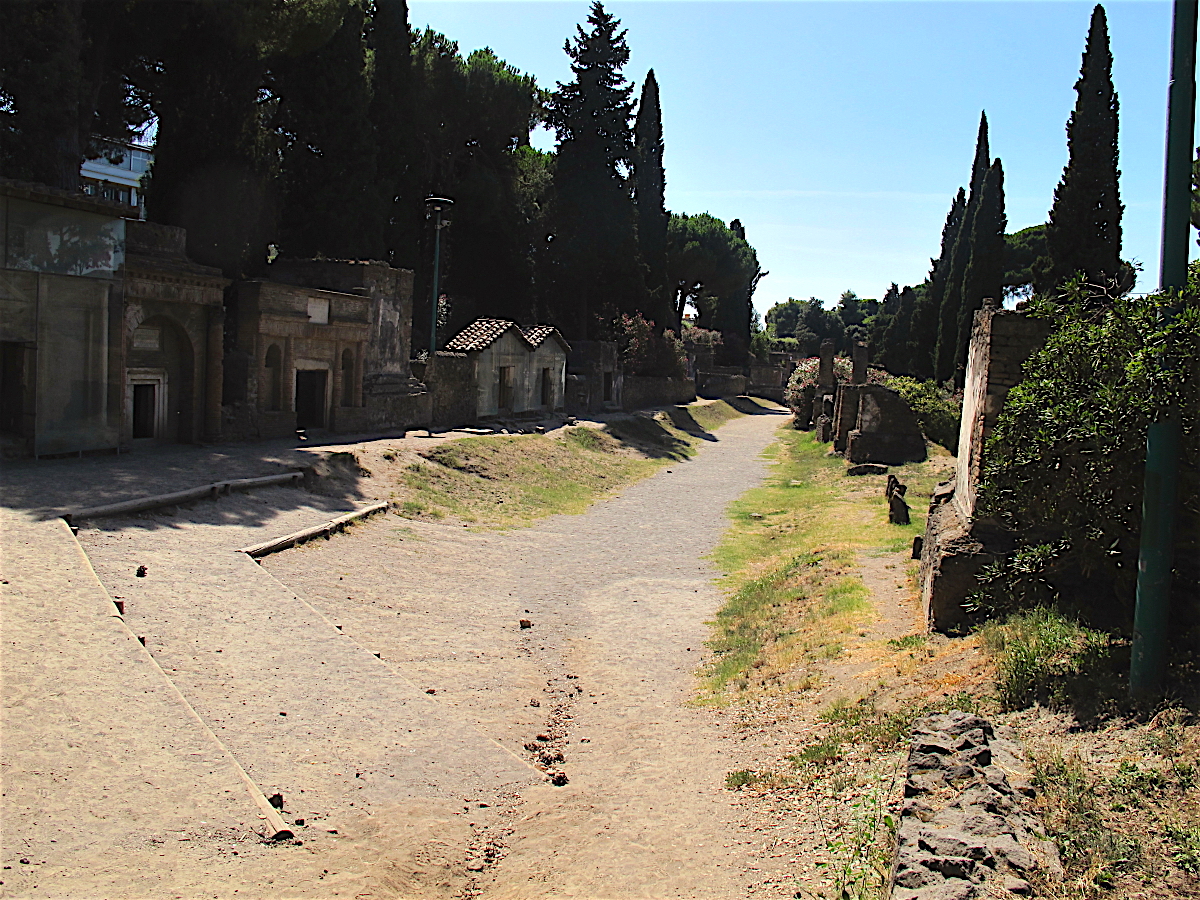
(480,334)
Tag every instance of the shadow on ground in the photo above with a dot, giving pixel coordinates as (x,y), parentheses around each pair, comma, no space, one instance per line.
(46,488)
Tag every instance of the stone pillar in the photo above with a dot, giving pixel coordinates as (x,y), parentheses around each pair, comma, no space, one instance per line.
(288,375)
(214,373)
(858,356)
(338,376)
(360,353)
(825,379)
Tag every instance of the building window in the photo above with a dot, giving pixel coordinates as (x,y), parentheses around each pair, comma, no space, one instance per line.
(347,378)
(318,310)
(274,367)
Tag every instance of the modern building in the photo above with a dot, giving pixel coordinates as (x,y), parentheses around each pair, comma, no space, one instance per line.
(117,175)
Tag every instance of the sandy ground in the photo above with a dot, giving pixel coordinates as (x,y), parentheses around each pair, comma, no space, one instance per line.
(413,727)
(382,684)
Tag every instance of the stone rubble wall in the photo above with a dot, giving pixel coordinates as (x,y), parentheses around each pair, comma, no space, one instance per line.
(963,831)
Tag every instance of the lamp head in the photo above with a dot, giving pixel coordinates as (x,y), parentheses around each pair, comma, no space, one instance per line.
(438,204)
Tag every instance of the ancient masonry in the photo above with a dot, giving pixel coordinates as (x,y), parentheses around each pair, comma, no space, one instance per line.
(963,833)
(958,543)
(868,423)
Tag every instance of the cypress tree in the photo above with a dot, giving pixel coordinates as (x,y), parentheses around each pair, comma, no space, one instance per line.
(925,317)
(650,184)
(952,297)
(1084,233)
(985,271)
(328,163)
(600,273)
(897,350)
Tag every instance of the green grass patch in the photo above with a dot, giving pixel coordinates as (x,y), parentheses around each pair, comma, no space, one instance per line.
(510,480)
(790,557)
(1043,656)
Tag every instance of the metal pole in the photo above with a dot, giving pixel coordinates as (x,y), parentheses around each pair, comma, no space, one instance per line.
(437,260)
(1156,553)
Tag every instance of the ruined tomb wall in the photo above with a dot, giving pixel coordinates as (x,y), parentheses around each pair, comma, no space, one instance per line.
(390,292)
(715,385)
(453,390)
(644,392)
(587,364)
(1001,341)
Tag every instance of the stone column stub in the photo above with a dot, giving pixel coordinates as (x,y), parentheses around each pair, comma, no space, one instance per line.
(825,378)
(858,355)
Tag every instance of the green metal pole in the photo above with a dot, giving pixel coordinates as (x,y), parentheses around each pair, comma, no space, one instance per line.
(1156,554)
(437,260)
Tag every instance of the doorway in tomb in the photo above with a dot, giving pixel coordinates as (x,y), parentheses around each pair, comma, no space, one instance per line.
(311,399)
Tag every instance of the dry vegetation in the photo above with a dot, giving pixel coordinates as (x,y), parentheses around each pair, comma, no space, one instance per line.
(1118,794)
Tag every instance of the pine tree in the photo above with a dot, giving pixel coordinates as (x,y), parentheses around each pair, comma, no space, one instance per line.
(64,67)
(600,272)
(985,272)
(650,186)
(1084,234)
(213,159)
(952,298)
(328,163)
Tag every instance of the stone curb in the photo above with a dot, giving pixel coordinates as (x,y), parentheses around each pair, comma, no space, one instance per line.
(963,833)
(325,529)
(158,501)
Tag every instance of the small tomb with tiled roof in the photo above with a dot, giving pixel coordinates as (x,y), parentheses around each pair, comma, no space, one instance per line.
(517,370)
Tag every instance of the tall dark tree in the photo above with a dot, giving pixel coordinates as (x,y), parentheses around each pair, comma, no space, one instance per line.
(1196,193)
(328,154)
(398,201)
(896,350)
(472,122)
(599,270)
(1084,233)
(952,298)
(985,271)
(64,81)
(926,315)
(650,184)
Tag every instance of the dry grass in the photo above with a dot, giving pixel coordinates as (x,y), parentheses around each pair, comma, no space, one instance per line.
(511,480)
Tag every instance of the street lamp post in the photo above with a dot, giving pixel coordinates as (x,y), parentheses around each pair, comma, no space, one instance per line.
(437,205)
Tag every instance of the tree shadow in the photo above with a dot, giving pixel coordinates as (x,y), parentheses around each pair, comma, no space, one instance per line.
(681,418)
(649,437)
(48,488)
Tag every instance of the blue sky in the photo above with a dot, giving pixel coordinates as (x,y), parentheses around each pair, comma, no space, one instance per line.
(838,132)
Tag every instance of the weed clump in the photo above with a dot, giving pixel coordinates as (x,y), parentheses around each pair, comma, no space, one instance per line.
(1043,656)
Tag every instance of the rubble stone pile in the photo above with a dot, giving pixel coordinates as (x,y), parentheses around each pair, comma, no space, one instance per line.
(963,833)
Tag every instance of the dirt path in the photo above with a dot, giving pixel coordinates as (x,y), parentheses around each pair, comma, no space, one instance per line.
(425,729)
(617,599)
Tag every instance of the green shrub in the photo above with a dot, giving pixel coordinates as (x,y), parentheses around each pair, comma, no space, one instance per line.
(1042,656)
(1065,463)
(937,411)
